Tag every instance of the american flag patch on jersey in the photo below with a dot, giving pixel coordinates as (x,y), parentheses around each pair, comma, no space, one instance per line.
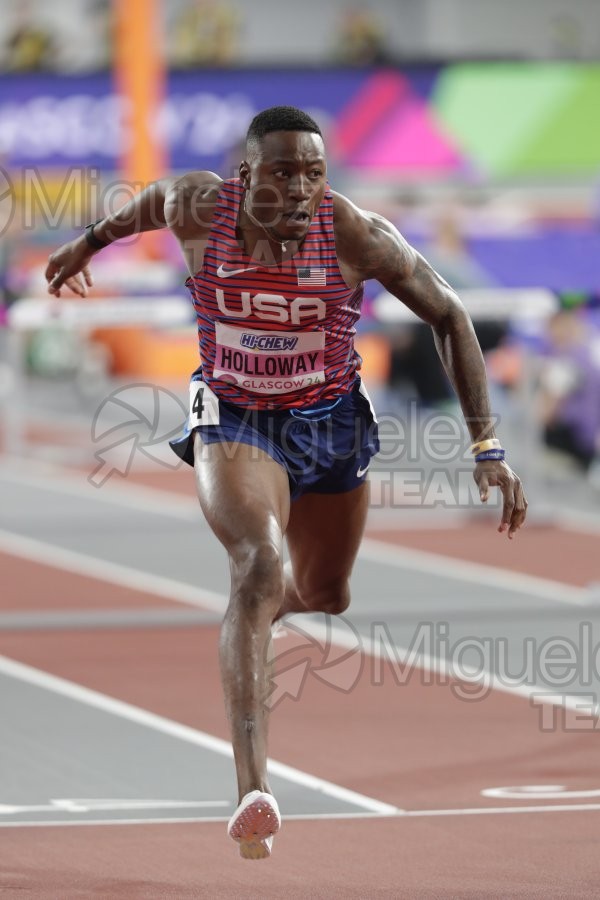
(309,276)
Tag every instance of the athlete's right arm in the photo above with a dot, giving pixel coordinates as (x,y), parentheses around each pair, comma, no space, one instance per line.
(146,211)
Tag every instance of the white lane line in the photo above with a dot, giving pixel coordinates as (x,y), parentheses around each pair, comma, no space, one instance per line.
(56,479)
(308,817)
(498,810)
(52,476)
(584,521)
(147,719)
(80,563)
(79,806)
(164,503)
(93,619)
(402,657)
(191,820)
(538,792)
(86,565)
(375,551)
(114,573)
(475,573)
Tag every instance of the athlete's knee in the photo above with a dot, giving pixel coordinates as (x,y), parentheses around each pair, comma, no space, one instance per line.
(333,598)
(337,600)
(257,574)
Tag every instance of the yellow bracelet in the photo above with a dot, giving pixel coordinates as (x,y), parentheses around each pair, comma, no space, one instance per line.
(482,446)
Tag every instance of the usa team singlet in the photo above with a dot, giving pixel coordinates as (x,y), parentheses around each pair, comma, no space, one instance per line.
(274,337)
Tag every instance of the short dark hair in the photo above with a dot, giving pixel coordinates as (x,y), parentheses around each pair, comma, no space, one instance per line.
(280,118)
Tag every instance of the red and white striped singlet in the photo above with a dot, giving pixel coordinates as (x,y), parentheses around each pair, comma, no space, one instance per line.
(274,337)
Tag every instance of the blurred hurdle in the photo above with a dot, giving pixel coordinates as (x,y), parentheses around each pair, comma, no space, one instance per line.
(79,317)
(528,310)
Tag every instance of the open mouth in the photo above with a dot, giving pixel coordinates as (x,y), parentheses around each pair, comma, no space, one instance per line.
(298,217)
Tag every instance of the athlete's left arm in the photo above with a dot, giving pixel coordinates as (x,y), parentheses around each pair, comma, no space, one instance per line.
(376,249)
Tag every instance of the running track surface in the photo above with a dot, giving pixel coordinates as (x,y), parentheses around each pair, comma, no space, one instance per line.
(413,745)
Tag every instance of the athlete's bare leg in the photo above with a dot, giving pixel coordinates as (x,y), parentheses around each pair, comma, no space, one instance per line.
(323,534)
(244,495)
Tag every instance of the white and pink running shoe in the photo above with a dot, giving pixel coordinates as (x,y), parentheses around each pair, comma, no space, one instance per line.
(254,823)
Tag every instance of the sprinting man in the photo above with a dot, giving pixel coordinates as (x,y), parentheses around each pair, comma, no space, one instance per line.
(281,430)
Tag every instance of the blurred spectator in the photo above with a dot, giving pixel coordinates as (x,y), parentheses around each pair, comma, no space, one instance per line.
(570,388)
(96,52)
(86,43)
(204,33)
(449,255)
(361,39)
(566,37)
(29,46)
(415,368)
(79,38)
(101,23)
(414,357)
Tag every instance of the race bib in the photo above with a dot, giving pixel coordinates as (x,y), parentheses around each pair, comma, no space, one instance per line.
(204,405)
(269,362)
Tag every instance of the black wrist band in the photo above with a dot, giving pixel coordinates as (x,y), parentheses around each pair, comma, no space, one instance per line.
(94,242)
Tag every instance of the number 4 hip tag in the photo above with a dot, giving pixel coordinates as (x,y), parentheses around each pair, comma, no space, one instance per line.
(204,405)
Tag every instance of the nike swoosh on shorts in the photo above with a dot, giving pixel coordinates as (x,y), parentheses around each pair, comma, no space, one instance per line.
(361,472)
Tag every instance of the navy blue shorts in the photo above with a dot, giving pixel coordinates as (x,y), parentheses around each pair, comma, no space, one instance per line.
(325,449)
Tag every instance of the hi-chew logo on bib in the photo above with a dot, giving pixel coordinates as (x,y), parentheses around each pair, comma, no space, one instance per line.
(267,342)
(272,362)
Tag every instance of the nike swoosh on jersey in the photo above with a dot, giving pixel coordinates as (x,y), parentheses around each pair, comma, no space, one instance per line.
(228,273)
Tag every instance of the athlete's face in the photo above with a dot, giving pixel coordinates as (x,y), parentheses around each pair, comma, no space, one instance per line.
(284,175)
